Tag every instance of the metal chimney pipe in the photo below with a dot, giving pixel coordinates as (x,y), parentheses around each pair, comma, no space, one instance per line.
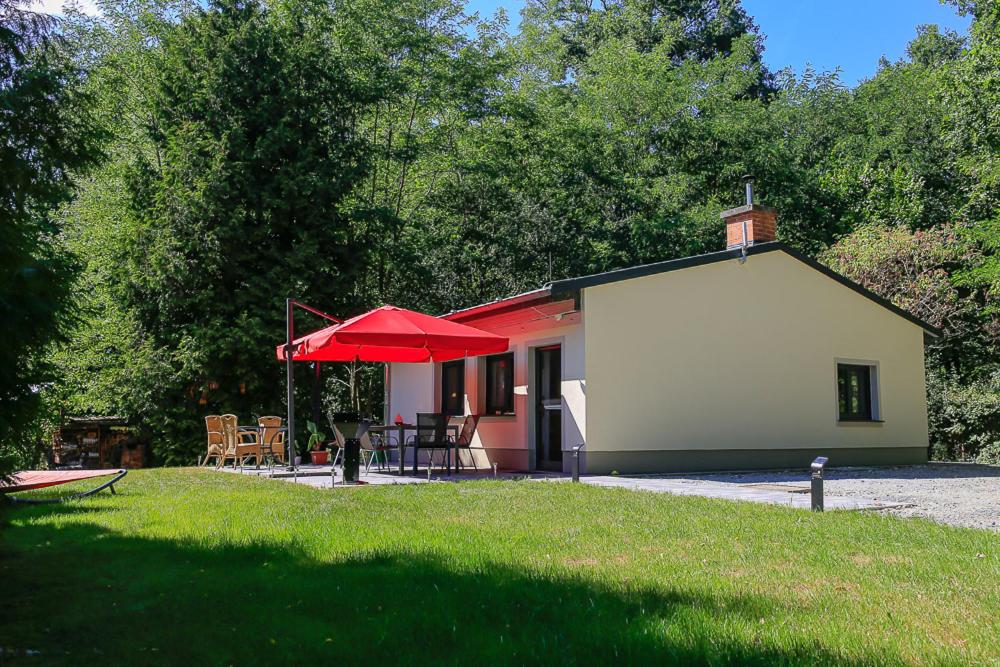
(748,180)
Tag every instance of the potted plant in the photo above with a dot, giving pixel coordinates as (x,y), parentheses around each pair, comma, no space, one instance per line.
(316,439)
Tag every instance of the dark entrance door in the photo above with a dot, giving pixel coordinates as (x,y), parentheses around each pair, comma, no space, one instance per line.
(548,408)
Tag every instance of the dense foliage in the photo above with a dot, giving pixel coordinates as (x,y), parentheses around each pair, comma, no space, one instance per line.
(362,152)
(238,203)
(45,135)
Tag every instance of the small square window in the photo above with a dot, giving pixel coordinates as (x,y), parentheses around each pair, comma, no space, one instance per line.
(856,392)
(500,384)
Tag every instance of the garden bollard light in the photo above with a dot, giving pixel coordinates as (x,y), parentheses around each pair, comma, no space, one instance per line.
(352,428)
(817,483)
(576,463)
(494,470)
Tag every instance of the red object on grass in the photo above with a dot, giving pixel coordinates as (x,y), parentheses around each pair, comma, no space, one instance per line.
(395,334)
(39,479)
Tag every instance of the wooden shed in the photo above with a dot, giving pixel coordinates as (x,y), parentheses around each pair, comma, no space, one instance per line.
(97,442)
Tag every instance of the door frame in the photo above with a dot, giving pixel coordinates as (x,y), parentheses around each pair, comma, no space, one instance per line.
(531,347)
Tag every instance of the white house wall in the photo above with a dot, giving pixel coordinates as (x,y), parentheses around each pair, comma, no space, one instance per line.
(504,440)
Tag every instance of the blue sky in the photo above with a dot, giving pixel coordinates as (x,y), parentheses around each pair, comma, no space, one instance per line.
(851,34)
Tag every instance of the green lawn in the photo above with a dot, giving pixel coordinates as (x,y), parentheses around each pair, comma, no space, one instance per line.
(194,567)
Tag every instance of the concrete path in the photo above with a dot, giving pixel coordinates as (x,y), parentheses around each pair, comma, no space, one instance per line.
(788,495)
(319,476)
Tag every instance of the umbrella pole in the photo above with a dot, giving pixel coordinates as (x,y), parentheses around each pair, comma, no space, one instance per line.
(386,395)
(290,381)
(317,397)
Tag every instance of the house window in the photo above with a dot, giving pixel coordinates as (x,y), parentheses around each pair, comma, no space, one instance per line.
(856,392)
(453,387)
(500,384)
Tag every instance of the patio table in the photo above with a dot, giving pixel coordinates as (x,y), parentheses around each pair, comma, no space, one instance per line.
(263,448)
(401,430)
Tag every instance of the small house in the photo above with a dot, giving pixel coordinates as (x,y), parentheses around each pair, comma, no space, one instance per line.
(755,356)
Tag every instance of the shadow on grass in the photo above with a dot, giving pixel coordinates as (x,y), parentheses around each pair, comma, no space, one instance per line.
(82,595)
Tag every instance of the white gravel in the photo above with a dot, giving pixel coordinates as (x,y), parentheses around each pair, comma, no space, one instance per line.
(960,494)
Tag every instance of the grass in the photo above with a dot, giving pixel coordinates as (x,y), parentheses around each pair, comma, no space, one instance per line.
(194,567)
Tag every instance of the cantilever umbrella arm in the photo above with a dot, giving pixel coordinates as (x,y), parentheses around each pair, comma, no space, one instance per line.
(290,305)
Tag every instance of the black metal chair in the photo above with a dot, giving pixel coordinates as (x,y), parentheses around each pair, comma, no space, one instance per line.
(432,435)
(464,440)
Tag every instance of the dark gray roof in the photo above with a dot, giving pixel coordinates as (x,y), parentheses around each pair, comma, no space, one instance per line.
(575,284)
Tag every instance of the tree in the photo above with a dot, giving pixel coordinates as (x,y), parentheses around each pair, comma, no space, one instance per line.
(973,98)
(235,199)
(923,155)
(438,71)
(563,35)
(933,48)
(306,175)
(45,135)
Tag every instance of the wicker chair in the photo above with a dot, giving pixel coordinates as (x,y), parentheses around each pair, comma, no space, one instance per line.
(216,440)
(271,438)
(238,445)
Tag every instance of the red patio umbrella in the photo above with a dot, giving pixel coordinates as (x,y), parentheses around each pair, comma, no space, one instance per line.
(395,334)
(386,334)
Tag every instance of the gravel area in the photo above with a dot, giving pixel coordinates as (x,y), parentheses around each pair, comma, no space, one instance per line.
(960,494)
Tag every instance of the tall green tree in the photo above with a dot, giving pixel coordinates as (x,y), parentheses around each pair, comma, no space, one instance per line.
(45,135)
(296,159)
(229,194)
(973,99)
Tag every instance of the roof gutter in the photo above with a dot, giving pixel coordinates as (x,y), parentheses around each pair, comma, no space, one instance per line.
(540,294)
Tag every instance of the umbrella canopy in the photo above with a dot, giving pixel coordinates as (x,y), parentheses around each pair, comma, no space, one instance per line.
(395,334)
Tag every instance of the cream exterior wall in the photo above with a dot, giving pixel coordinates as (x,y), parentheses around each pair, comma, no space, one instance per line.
(743,356)
(505,440)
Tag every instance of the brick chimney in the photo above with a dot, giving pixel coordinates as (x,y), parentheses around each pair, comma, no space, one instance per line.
(755,221)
